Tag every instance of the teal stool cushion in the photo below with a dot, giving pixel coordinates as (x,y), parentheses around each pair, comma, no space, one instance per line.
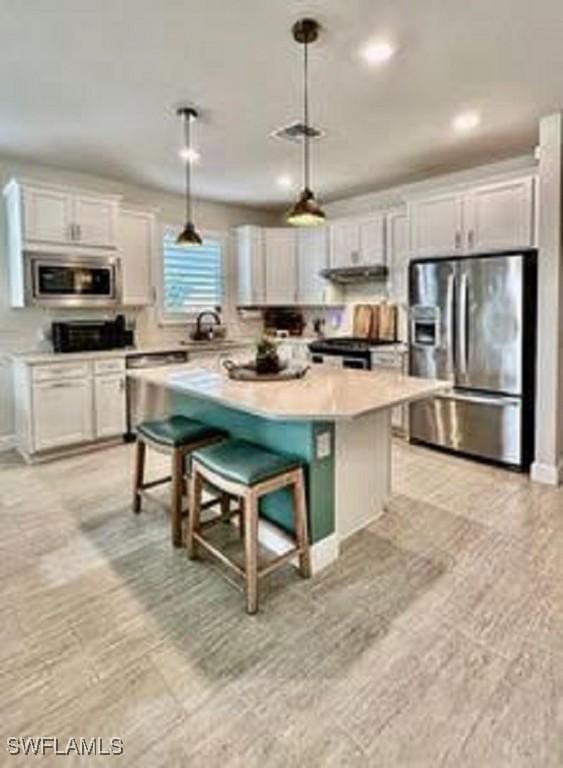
(243,462)
(177,431)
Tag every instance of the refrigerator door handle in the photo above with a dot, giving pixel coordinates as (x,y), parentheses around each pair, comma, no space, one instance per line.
(464,318)
(451,322)
(498,400)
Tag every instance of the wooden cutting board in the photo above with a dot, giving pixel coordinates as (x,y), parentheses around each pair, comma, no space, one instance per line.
(387,322)
(375,321)
(362,321)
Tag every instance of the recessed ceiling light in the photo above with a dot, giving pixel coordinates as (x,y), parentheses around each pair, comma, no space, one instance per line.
(285,181)
(466,121)
(377,51)
(189,154)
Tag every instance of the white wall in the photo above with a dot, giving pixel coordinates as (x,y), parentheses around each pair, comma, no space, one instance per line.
(548,464)
(20,329)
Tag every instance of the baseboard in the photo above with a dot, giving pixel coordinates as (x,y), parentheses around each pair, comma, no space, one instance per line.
(7,443)
(323,553)
(550,474)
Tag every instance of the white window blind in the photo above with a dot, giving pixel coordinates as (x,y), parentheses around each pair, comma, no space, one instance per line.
(192,276)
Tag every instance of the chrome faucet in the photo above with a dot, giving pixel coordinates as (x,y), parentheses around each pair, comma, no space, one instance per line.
(199,334)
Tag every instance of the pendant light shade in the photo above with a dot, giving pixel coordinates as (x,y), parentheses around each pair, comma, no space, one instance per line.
(306,212)
(189,235)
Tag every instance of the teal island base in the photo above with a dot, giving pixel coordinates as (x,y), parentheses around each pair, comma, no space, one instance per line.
(347,467)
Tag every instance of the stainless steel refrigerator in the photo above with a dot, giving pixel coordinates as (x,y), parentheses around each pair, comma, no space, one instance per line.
(472,320)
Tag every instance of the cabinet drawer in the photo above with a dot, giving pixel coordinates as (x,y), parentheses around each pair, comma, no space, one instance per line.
(111,365)
(61,371)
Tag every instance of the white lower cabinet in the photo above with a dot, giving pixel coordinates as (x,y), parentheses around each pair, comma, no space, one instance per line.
(62,413)
(109,405)
(60,405)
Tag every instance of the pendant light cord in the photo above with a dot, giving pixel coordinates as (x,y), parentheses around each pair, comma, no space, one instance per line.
(188,140)
(306,114)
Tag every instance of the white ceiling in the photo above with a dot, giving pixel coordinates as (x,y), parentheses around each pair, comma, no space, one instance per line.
(92,86)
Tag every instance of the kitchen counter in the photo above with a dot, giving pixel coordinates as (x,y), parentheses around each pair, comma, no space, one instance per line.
(37,358)
(325,393)
(337,421)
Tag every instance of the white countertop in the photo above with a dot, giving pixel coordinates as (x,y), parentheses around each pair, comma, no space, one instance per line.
(36,358)
(325,394)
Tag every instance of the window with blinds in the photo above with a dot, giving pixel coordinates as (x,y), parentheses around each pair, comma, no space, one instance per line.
(192,276)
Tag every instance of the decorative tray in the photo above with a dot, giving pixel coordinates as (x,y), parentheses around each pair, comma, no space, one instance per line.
(248,372)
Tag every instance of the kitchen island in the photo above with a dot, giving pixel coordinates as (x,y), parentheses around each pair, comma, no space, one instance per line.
(337,421)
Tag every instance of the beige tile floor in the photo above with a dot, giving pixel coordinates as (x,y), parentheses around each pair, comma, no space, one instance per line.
(436,640)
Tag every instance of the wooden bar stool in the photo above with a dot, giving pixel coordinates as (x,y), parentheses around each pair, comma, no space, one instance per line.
(248,472)
(176,436)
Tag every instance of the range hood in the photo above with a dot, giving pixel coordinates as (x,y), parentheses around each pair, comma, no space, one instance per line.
(360,274)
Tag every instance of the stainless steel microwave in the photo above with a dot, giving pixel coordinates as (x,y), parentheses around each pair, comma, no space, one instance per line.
(73,281)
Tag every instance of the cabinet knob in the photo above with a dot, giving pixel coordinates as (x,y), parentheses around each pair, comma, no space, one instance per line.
(471,239)
(457,240)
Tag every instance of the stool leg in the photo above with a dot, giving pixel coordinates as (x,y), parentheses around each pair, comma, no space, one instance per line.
(300,521)
(241,518)
(176,496)
(196,488)
(225,507)
(251,551)
(139,476)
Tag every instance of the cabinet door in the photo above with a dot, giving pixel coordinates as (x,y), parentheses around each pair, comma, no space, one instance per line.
(312,256)
(344,244)
(95,220)
(62,413)
(281,266)
(109,405)
(47,215)
(398,262)
(500,216)
(136,240)
(251,268)
(372,240)
(437,225)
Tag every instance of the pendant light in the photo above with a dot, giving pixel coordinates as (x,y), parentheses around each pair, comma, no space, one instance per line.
(189,235)
(306,211)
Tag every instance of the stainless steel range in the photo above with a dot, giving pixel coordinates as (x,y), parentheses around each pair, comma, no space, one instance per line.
(346,351)
(473,321)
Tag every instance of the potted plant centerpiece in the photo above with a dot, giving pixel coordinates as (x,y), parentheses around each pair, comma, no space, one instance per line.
(267,358)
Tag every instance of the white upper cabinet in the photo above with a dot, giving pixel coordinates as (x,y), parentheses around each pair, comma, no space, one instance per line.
(487,217)
(398,254)
(137,243)
(357,242)
(95,221)
(437,225)
(47,215)
(500,216)
(372,240)
(57,216)
(344,244)
(251,266)
(312,257)
(281,266)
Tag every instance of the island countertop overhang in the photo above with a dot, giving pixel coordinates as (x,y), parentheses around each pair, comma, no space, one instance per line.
(324,394)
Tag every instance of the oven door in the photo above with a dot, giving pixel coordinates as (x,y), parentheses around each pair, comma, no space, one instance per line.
(358,362)
(73,281)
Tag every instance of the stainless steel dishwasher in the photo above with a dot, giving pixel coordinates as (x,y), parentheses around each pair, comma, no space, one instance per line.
(145,401)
